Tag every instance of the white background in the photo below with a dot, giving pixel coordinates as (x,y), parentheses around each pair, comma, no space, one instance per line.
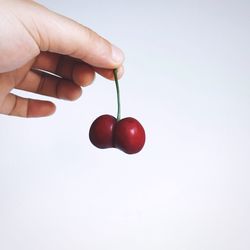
(187,80)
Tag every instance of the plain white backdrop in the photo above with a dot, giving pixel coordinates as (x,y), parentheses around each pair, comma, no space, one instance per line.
(187,80)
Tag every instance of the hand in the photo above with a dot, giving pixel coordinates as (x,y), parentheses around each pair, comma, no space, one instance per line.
(34,41)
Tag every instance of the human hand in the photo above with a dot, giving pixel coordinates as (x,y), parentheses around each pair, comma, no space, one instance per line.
(35,39)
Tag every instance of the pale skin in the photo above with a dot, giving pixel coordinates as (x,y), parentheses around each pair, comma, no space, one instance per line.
(35,39)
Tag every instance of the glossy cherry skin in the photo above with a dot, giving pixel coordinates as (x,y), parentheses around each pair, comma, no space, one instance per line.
(101,131)
(129,135)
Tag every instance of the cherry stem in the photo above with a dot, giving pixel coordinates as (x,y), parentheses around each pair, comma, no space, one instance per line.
(118,95)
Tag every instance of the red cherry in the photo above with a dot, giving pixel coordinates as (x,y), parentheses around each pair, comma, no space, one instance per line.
(101,131)
(129,135)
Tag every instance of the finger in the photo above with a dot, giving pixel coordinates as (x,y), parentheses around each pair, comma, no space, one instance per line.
(83,74)
(44,84)
(47,61)
(66,67)
(64,36)
(18,106)
(69,68)
(109,74)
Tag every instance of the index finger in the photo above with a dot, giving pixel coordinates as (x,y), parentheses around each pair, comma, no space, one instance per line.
(64,36)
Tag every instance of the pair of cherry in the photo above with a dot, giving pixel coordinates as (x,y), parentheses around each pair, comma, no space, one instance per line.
(125,134)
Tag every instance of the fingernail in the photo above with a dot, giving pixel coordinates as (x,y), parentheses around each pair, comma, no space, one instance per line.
(117,55)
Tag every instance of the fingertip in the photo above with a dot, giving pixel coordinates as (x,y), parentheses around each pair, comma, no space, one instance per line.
(75,94)
(39,108)
(117,56)
(51,109)
(109,73)
(68,91)
(83,74)
(120,71)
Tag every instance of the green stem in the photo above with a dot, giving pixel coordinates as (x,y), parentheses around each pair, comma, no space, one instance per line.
(118,95)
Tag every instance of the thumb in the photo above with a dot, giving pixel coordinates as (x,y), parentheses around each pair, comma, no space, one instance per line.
(62,35)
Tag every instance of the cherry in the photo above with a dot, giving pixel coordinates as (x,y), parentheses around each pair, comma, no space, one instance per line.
(125,134)
(129,135)
(101,131)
